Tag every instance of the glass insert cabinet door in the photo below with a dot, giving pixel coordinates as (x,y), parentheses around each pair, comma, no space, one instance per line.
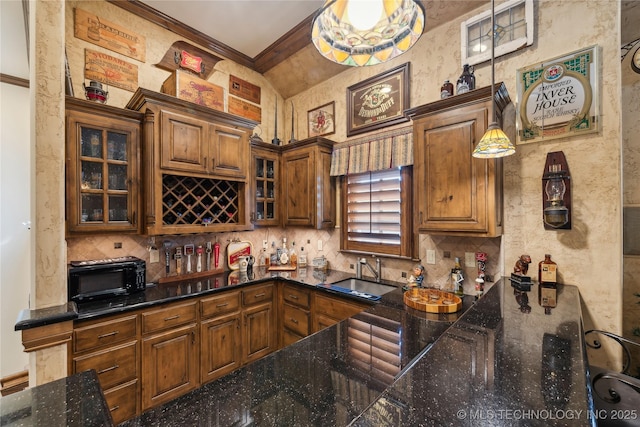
(265,189)
(101,174)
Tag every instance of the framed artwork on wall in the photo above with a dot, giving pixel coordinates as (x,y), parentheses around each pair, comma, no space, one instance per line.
(321,120)
(379,101)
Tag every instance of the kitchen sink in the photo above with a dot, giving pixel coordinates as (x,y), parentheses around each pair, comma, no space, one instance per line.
(363,288)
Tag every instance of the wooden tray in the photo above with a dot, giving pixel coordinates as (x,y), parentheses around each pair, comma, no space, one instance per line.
(281,268)
(432,300)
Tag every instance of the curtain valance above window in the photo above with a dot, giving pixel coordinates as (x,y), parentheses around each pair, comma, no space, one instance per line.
(373,153)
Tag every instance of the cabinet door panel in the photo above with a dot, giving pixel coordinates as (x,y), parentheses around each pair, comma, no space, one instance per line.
(259,332)
(220,347)
(184,143)
(298,178)
(229,152)
(169,365)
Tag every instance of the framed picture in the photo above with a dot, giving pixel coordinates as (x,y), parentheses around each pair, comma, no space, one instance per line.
(559,97)
(321,120)
(379,101)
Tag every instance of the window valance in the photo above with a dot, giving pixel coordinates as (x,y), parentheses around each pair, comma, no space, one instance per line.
(373,153)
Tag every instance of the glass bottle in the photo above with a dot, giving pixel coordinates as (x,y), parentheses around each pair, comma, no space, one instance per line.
(446,90)
(457,278)
(467,80)
(284,253)
(547,282)
(293,255)
(302,259)
(273,259)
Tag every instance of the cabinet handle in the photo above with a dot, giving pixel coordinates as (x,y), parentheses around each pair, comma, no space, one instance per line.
(259,295)
(205,163)
(108,369)
(293,296)
(222,305)
(294,320)
(193,337)
(166,319)
(420,217)
(134,217)
(115,408)
(110,334)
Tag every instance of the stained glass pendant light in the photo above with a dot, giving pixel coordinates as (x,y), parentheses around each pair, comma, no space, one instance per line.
(494,143)
(366,32)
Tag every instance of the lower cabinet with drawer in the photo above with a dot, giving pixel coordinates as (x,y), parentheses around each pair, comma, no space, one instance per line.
(258,322)
(170,355)
(329,310)
(111,347)
(296,318)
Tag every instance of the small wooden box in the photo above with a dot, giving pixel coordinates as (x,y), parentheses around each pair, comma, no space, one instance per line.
(186,86)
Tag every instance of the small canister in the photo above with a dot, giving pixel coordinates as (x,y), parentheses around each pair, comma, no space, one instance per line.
(446,90)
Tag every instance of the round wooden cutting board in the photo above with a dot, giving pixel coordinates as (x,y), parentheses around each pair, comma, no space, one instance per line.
(432,300)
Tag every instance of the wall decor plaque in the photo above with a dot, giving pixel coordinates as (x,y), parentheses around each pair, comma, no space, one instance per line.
(93,29)
(321,120)
(185,56)
(244,89)
(244,109)
(559,97)
(110,70)
(379,101)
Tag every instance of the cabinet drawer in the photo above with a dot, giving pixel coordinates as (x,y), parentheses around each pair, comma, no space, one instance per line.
(257,294)
(122,401)
(297,296)
(219,304)
(296,319)
(336,308)
(164,318)
(114,366)
(104,333)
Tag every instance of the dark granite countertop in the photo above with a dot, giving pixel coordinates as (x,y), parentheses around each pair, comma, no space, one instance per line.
(499,364)
(75,401)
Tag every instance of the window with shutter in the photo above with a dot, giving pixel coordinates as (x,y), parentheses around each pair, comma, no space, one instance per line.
(376,212)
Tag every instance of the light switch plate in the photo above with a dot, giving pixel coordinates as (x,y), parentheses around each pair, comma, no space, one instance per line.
(154,256)
(319,245)
(469,259)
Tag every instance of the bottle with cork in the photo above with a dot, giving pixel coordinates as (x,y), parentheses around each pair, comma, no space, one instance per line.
(446,90)
(547,283)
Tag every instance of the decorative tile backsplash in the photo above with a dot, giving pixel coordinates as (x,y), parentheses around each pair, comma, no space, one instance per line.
(96,247)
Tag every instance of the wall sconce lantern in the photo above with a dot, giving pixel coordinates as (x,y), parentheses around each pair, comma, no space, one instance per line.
(556,193)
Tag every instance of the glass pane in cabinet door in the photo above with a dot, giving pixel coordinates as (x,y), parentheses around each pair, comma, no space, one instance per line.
(117,177)
(270,169)
(260,189)
(117,208)
(259,168)
(271,192)
(92,207)
(259,211)
(270,210)
(116,146)
(91,175)
(91,142)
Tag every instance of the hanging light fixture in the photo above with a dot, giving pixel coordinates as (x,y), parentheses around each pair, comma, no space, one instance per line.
(366,32)
(494,142)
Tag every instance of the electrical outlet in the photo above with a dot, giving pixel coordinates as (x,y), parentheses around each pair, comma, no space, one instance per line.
(154,256)
(469,259)
(264,244)
(431,256)
(351,266)
(117,245)
(446,254)
(319,245)
(404,274)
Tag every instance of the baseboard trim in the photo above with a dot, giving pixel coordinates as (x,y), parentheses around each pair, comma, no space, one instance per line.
(14,383)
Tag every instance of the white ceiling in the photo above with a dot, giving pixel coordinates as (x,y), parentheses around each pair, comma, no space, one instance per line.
(248,26)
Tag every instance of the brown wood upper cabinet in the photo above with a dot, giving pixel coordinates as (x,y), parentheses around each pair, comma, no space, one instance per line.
(196,166)
(102,168)
(455,193)
(308,191)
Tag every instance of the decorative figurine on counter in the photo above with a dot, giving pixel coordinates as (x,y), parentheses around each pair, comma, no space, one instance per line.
(522,265)
(481,260)
(417,276)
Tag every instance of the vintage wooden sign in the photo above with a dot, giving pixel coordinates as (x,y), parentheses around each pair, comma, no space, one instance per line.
(183,55)
(559,97)
(244,109)
(110,70)
(93,29)
(244,89)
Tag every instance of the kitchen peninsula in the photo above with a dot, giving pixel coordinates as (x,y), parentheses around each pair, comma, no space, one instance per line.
(498,361)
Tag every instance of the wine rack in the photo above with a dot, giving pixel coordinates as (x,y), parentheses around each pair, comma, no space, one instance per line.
(189,200)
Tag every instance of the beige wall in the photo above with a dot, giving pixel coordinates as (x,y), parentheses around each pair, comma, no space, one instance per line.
(589,255)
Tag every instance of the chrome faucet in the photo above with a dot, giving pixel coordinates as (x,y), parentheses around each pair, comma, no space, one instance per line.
(377,273)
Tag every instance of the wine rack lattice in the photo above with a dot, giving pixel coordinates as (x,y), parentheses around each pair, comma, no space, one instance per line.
(190,201)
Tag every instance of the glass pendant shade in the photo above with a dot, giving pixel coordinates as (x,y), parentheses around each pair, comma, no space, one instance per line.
(494,143)
(377,31)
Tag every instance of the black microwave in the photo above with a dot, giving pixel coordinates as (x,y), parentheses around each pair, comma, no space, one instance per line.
(105,278)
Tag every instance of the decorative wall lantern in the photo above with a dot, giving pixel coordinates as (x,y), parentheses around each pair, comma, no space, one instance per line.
(556,193)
